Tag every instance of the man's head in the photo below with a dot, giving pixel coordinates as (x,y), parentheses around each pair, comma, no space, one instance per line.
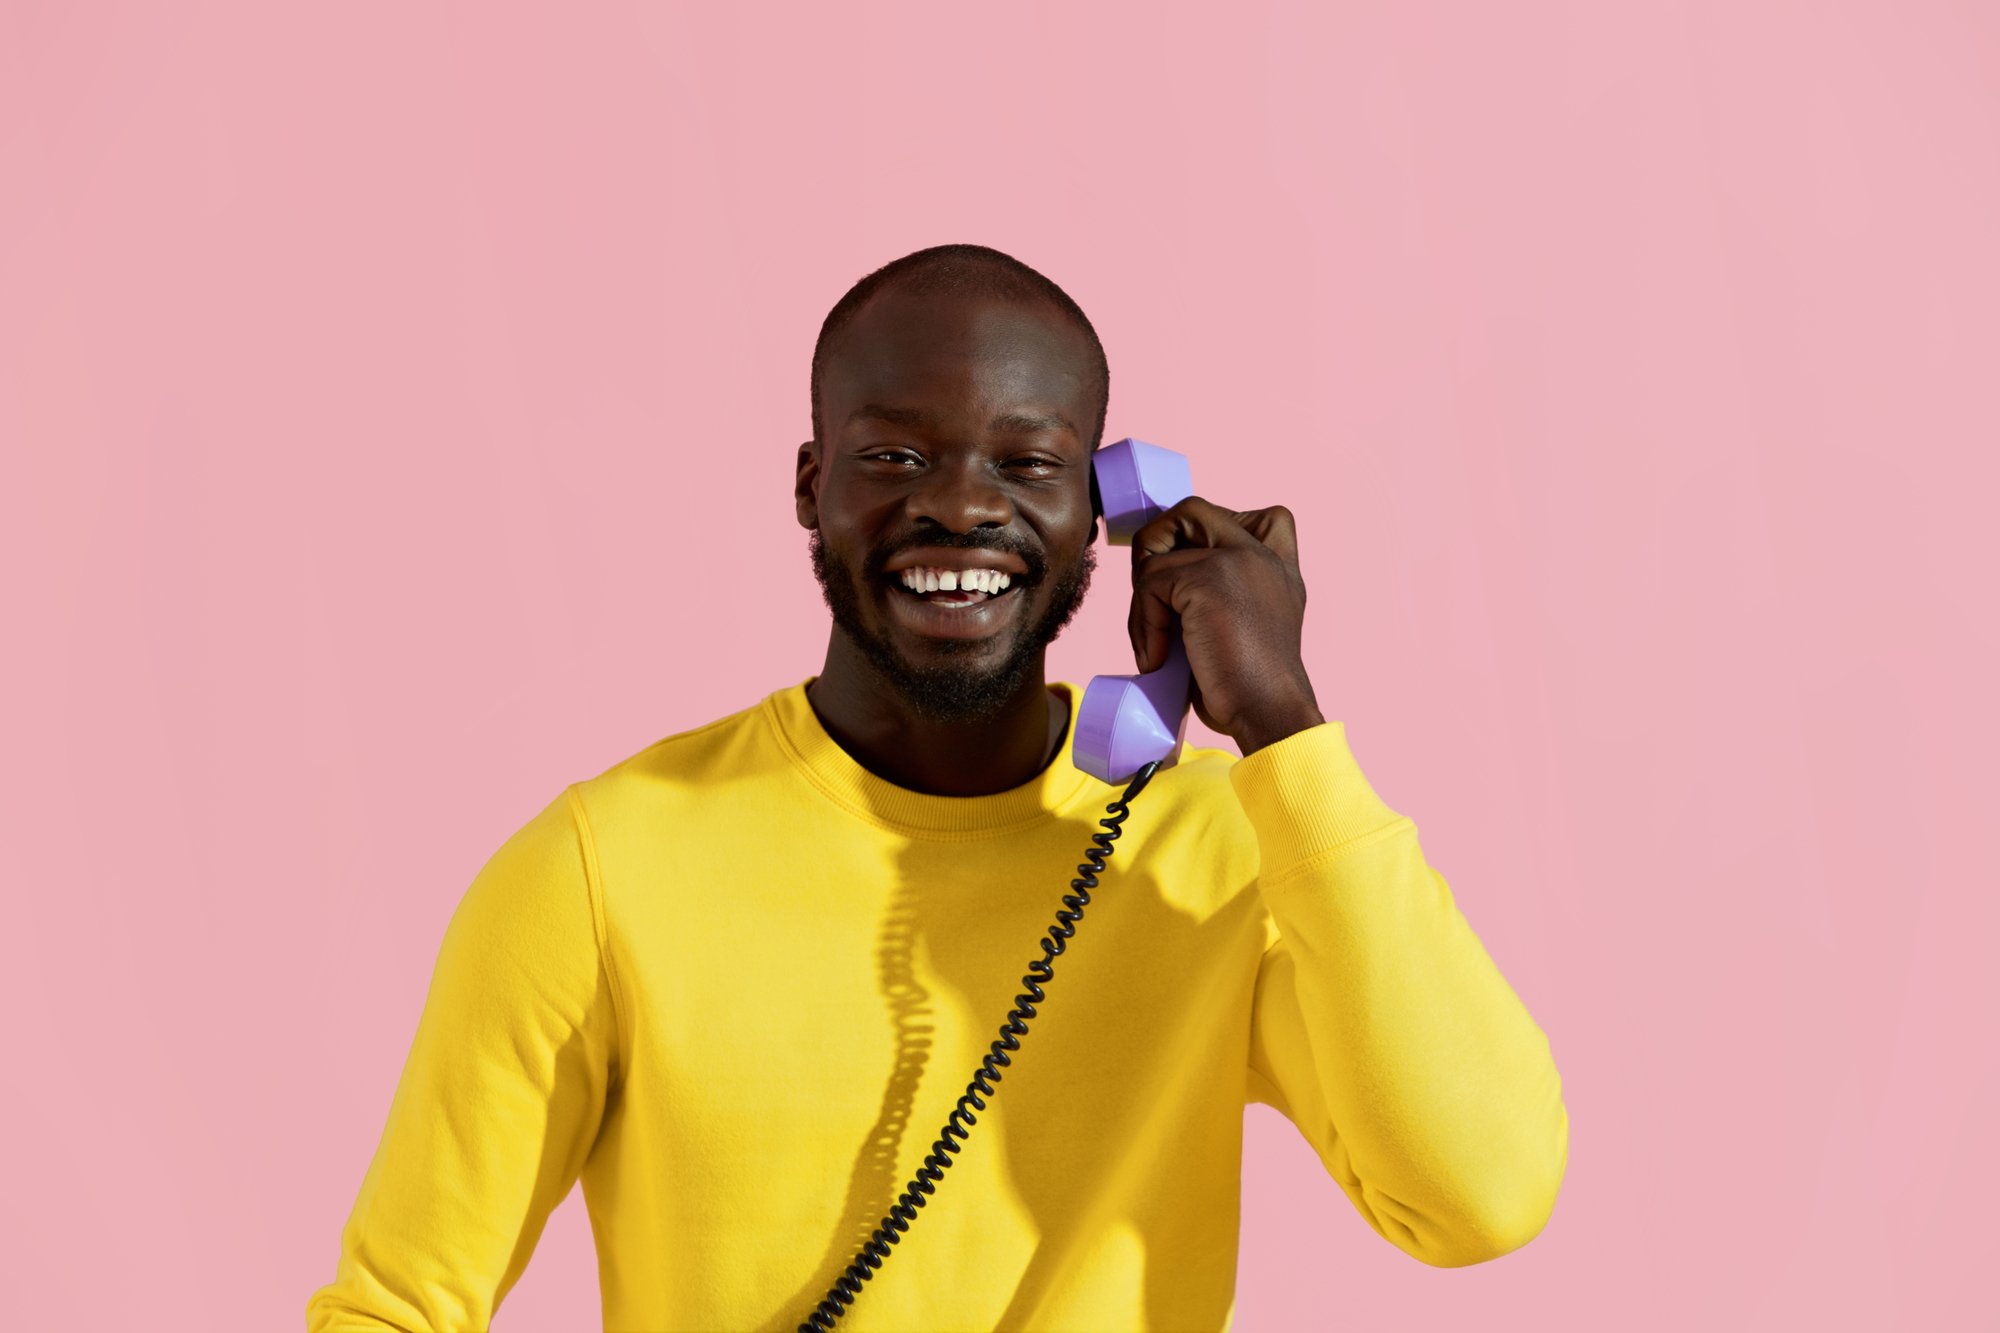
(957,396)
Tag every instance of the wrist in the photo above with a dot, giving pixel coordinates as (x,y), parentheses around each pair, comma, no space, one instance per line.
(1273,724)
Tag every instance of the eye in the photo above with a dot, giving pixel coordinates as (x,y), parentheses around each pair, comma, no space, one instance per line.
(1039,466)
(894,456)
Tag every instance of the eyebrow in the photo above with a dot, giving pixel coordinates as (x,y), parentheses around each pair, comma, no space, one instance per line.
(1007,423)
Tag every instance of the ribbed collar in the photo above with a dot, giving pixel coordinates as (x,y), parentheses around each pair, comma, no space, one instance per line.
(918,814)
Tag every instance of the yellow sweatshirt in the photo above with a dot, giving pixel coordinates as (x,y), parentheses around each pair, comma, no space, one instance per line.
(737,983)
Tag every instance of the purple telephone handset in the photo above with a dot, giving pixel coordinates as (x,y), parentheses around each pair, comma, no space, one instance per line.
(1127,722)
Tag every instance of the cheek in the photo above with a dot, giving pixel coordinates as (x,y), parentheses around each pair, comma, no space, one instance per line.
(1066,526)
(855,513)
(1082,542)
(847,552)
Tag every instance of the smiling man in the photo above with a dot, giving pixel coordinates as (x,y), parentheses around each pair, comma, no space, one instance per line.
(736,982)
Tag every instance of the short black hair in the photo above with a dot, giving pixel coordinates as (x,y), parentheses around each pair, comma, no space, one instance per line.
(973,270)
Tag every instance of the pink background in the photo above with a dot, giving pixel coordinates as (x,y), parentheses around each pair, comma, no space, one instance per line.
(399,401)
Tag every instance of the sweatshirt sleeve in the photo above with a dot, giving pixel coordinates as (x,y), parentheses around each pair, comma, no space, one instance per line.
(1380,1026)
(500,1099)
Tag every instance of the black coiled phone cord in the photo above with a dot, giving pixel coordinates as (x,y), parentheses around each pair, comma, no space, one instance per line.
(875,1250)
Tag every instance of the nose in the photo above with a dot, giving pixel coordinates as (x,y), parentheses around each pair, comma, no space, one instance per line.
(961,495)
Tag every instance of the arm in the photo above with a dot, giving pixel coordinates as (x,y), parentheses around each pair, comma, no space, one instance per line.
(1379,1026)
(1382,1029)
(499,1102)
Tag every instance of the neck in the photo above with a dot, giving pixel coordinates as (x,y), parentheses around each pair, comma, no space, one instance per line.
(868,718)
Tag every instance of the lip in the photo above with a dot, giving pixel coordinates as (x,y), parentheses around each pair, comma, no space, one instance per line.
(956,558)
(941,622)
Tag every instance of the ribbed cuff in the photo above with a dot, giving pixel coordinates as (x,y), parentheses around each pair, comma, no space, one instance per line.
(1305,795)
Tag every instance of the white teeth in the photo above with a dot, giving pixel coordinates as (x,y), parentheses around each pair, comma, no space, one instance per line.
(922,579)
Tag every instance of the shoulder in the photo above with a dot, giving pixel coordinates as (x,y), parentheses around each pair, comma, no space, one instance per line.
(686,766)
(533,896)
(1197,789)
(1194,830)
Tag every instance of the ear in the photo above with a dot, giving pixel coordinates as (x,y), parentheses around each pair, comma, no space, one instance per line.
(805,489)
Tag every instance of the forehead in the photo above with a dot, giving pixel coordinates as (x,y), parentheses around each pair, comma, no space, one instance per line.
(946,351)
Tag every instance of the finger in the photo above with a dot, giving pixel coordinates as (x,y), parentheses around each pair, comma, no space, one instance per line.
(1152,620)
(1275,527)
(1157,591)
(1192,522)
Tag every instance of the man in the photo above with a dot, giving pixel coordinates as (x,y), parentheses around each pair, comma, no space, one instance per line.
(737,981)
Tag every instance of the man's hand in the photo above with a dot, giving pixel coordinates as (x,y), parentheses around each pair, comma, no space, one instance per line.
(1233,579)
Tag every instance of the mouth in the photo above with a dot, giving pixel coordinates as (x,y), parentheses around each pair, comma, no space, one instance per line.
(952,603)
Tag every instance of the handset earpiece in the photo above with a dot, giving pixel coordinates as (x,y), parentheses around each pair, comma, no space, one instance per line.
(1126,722)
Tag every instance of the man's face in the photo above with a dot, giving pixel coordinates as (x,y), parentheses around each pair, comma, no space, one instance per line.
(952,438)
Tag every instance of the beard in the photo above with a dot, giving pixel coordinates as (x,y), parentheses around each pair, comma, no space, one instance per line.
(947,691)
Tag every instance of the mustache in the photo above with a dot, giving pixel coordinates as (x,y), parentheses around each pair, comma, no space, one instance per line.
(877,565)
